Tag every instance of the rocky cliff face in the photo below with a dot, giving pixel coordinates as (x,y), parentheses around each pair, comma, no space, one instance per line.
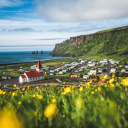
(105,42)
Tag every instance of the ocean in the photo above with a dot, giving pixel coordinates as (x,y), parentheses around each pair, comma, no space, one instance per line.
(15,55)
(24,56)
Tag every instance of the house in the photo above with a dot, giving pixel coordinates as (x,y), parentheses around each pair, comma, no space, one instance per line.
(61,72)
(92,72)
(74,76)
(113,70)
(85,76)
(30,76)
(123,70)
(90,63)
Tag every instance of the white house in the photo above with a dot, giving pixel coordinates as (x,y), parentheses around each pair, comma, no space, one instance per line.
(92,72)
(113,70)
(85,76)
(30,76)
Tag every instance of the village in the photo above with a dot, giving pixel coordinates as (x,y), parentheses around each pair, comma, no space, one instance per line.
(69,73)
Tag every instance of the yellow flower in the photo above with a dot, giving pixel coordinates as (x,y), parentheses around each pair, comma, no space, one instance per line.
(54,101)
(63,93)
(28,87)
(111,80)
(67,89)
(92,92)
(64,83)
(81,89)
(50,110)
(112,85)
(4,92)
(19,102)
(33,95)
(35,113)
(1,92)
(125,81)
(40,97)
(113,75)
(13,94)
(14,85)
(95,90)
(99,88)
(105,76)
(23,89)
(8,119)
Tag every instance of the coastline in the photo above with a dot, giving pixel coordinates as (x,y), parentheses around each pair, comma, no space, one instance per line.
(34,61)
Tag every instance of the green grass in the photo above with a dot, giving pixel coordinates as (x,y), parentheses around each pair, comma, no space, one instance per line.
(91,106)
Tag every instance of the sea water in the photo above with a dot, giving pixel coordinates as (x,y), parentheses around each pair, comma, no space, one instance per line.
(15,55)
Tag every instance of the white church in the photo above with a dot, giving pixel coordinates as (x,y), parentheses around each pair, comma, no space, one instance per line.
(30,76)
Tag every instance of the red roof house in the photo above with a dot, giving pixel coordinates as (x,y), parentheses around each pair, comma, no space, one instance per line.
(30,76)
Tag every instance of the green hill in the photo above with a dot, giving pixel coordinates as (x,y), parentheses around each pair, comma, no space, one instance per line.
(111,42)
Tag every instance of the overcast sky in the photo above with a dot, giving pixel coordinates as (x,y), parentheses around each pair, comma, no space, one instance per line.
(47,22)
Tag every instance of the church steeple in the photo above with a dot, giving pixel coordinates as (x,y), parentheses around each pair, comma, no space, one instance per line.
(39,67)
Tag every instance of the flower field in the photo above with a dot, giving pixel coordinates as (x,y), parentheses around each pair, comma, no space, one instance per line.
(90,105)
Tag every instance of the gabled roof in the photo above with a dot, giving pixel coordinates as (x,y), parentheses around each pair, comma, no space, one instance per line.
(38,65)
(32,74)
(23,76)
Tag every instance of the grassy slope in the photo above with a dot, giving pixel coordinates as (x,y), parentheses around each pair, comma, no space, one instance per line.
(112,42)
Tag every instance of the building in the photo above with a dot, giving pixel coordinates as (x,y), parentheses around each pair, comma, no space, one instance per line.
(30,76)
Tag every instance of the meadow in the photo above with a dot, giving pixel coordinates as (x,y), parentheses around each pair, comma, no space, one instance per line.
(89,105)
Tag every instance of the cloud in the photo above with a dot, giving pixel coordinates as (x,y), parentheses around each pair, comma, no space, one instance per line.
(10,3)
(81,10)
(50,39)
(18,30)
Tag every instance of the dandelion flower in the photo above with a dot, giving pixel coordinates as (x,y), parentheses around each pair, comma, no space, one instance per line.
(40,97)
(14,85)
(13,94)
(8,119)
(54,101)
(81,89)
(67,89)
(19,102)
(125,81)
(50,110)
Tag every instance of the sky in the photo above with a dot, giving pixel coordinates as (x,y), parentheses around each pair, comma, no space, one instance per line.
(48,22)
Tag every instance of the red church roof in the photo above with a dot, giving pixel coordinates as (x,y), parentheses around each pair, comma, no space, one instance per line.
(38,65)
(23,76)
(32,74)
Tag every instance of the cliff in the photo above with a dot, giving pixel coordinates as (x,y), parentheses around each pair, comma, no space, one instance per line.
(107,42)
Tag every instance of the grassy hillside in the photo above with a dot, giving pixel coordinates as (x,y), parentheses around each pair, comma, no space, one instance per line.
(112,42)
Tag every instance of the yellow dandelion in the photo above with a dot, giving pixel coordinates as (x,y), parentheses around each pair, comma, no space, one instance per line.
(111,80)
(1,92)
(67,89)
(54,101)
(105,76)
(95,90)
(125,81)
(8,119)
(81,89)
(35,113)
(19,102)
(33,95)
(50,110)
(92,92)
(63,93)
(13,94)
(99,88)
(112,85)
(23,89)
(40,97)
(28,87)
(14,85)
